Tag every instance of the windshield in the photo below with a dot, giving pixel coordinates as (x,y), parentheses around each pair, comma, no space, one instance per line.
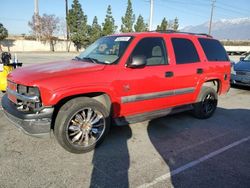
(247,58)
(106,50)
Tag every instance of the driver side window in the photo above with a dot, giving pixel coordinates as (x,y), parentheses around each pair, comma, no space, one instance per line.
(153,49)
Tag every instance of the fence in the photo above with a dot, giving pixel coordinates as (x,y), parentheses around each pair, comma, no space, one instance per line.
(21,45)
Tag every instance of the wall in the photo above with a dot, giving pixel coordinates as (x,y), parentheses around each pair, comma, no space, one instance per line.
(20,45)
(237,48)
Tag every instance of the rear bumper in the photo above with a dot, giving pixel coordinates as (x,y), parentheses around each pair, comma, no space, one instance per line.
(33,124)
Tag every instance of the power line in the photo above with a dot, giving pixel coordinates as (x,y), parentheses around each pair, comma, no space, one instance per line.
(205,4)
(13,19)
(187,3)
(181,8)
(234,7)
(232,10)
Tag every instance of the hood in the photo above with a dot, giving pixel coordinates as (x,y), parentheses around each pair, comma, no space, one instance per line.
(242,66)
(32,74)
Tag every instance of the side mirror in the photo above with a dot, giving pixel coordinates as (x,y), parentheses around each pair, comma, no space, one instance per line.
(242,58)
(137,62)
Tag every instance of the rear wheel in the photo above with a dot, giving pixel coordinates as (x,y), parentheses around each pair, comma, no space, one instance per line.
(81,125)
(206,103)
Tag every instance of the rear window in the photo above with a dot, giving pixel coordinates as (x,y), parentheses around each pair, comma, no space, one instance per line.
(213,50)
(185,51)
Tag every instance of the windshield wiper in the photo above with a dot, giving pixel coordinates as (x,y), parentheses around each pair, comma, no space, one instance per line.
(93,60)
(77,58)
(86,58)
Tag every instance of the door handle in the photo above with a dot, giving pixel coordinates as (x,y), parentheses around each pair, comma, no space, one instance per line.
(199,71)
(169,74)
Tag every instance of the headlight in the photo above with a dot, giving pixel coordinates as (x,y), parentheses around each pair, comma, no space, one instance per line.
(33,91)
(22,89)
(29,91)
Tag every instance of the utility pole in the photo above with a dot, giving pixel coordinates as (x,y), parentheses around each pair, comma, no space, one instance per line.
(211,17)
(151,14)
(37,21)
(66,13)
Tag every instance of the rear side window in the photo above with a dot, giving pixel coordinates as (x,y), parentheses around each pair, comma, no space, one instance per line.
(213,50)
(185,51)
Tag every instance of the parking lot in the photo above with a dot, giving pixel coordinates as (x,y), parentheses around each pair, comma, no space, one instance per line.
(173,151)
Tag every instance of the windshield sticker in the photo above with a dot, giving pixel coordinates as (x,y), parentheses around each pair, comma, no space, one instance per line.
(120,39)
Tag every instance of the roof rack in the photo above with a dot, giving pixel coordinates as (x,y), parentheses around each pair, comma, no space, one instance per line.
(182,32)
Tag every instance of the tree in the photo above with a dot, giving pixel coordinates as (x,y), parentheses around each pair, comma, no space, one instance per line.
(95,31)
(77,24)
(128,20)
(48,25)
(163,26)
(3,34)
(109,23)
(176,24)
(140,25)
(35,25)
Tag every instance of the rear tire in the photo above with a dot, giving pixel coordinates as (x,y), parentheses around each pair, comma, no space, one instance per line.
(81,125)
(206,103)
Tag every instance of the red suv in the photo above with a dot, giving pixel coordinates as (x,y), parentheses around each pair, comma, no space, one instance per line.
(119,79)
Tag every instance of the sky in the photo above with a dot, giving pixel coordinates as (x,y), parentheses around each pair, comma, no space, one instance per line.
(15,14)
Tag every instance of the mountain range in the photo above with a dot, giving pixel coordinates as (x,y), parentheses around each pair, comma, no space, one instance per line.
(225,29)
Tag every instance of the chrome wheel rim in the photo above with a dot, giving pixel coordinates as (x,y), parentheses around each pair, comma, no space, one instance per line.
(85,127)
(209,103)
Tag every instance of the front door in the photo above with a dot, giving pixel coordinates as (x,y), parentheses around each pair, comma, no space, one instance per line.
(149,88)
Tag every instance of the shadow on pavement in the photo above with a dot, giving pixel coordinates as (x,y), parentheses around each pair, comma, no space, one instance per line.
(180,139)
(111,160)
(247,88)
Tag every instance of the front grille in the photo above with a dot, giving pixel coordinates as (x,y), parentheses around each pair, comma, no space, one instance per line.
(19,95)
(243,73)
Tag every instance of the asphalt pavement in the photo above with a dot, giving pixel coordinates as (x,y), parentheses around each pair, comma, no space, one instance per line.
(172,151)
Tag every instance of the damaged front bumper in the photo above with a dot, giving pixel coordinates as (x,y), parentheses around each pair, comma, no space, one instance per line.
(35,124)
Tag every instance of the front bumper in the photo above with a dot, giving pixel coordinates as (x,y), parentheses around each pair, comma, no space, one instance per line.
(34,124)
(240,80)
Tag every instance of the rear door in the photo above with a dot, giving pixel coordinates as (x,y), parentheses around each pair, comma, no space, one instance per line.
(218,65)
(188,69)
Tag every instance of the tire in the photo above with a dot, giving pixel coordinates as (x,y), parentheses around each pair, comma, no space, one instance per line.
(206,103)
(81,125)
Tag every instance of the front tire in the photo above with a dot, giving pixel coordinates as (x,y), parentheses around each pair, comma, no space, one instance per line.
(206,103)
(81,125)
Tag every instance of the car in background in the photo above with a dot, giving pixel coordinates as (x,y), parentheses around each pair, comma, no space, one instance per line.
(240,72)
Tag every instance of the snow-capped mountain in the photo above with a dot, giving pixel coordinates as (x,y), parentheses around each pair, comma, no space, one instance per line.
(233,29)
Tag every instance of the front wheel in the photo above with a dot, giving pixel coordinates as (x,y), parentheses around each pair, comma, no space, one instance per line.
(206,103)
(81,125)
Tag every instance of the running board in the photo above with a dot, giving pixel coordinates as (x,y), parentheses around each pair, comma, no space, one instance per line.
(150,115)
